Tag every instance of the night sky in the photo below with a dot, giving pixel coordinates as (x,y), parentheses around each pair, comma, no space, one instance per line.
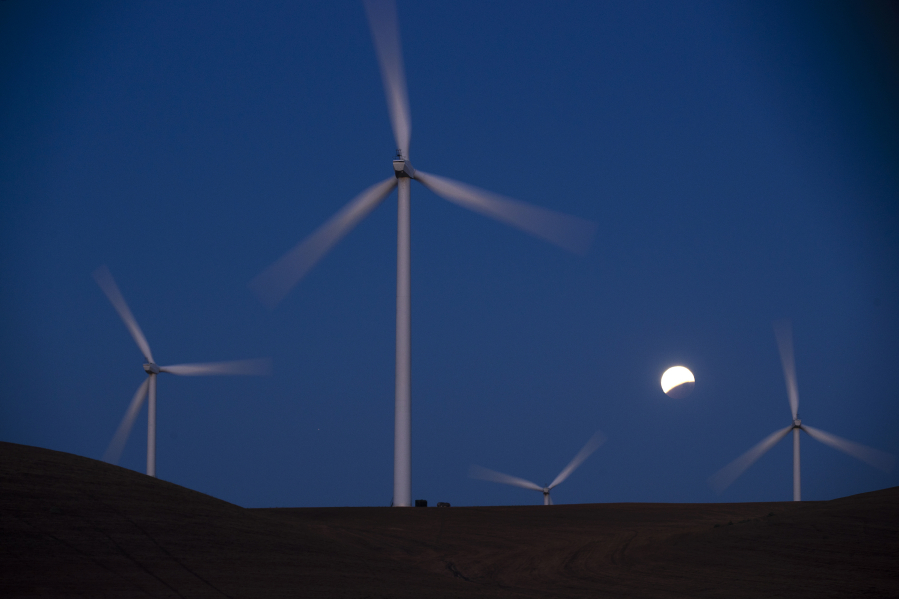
(740,160)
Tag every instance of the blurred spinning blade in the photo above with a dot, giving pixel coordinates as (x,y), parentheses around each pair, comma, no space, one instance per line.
(277,280)
(724,477)
(114,451)
(869,455)
(109,287)
(257,367)
(592,445)
(569,232)
(385,32)
(499,477)
(783,331)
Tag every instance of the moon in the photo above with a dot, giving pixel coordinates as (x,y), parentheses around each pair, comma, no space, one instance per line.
(677,382)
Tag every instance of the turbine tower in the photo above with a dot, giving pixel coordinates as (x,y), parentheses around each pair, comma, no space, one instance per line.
(277,280)
(498,477)
(724,477)
(148,387)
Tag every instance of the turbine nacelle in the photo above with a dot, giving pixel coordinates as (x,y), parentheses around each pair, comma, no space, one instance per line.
(402,167)
(151,368)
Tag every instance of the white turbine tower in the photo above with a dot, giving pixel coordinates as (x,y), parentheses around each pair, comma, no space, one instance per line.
(498,477)
(148,387)
(724,477)
(276,281)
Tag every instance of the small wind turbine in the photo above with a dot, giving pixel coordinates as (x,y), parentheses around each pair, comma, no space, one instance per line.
(246,367)
(498,477)
(277,280)
(724,477)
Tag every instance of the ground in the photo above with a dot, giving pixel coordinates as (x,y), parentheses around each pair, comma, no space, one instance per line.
(75,527)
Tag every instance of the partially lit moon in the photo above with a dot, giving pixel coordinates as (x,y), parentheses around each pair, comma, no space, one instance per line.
(677,382)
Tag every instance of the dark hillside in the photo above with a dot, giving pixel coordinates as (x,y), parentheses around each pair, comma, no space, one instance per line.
(75,527)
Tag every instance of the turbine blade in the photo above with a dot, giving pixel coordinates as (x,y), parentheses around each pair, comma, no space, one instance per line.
(783,331)
(592,445)
(879,459)
(550,498)
(114,451)
(385,33)
(108,285)
(259,366)
(724,477)
(569,232)
(499,477)
(277,280)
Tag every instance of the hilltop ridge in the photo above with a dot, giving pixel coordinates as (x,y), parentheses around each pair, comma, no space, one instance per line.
(76,527)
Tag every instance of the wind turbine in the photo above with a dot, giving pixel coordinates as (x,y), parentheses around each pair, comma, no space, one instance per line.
(723,478)
(498,477)
(569,232)
(114,452)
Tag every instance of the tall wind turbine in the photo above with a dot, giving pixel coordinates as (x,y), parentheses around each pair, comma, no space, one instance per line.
(724,477)
(114,452)
(498,477)
(277,280)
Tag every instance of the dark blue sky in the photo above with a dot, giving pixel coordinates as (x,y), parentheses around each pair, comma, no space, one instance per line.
(739,159)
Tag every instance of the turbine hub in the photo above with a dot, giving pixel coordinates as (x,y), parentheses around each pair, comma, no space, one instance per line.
(151,368)
(402,167)
(797,423)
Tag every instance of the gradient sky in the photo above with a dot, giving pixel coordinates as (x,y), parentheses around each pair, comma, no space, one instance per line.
(741,161)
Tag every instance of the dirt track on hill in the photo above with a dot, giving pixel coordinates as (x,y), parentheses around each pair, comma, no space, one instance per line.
(75,527)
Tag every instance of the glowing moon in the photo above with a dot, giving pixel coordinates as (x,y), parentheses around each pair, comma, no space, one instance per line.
(677,382)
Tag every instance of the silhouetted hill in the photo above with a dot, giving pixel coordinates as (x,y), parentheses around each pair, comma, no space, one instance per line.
(75,527)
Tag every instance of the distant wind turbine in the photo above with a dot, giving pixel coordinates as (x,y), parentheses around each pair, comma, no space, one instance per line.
(273,284)
(724,477)
(498,477)
(246,367)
